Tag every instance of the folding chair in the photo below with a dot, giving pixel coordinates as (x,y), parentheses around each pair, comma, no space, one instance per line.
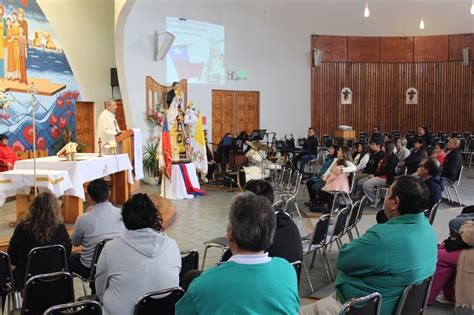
(219,242)
(189,261)
(454,187)
(316,243)
(46,259)
(46,290)
(159,302)
(431,213)
(76,308)
(366,305)
(414,298)
(7,284)
(297,264)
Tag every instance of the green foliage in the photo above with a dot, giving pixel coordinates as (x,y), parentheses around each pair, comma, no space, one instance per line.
(65,138)
(150,162)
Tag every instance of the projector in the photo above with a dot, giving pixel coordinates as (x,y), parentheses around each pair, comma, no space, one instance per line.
(345,128)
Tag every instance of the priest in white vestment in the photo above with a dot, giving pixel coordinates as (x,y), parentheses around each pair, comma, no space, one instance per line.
(107,126)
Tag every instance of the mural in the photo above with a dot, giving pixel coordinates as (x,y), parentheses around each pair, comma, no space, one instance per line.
(31,58)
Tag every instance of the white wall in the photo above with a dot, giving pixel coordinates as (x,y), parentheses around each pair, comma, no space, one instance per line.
(85,29)
(275,51)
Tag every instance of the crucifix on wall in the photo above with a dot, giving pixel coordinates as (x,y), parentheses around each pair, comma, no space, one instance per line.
(411,96)
(346,96)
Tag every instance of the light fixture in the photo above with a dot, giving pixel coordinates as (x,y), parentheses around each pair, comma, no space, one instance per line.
(472,7)
(367,12)
(422,24)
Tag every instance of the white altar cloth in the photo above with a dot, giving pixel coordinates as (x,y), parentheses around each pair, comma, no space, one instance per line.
(176,189)
(20,182)
(87,168)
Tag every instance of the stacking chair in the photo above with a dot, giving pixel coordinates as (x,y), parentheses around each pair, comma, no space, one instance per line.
(219,242)
(431,213)
(366,305)
(360,212)
(454,187)
(316,243)
(189,261)
(7,284)
(345,196)
(91,278)
(468,150)
(329,142)
(161,302)
(46,259)
(46,290)
(339,228)
(289,204)
(76,308)
(414,298)
(380,193)
(351,222)
(297,264)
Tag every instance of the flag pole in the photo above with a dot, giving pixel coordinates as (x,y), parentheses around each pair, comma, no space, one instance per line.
(32,90)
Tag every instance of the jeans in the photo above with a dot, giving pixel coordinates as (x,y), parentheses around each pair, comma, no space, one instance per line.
(455,224)
(305,159)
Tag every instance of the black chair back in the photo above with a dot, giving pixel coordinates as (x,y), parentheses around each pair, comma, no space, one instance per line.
(466,134)
(301,141)
(77,308)
(298,265)
(366,305)
(328,142)
(189,261)
(46,259)
(290,206)
(341,220)
(431,213)
(414,298)
(6,277)
(46,290)
(354,214)
(320,230)
(98,249)
(159,302)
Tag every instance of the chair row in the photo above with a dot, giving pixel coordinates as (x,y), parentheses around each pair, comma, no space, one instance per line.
(47,271)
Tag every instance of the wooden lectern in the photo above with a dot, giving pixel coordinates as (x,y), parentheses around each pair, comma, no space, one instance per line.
(125,142)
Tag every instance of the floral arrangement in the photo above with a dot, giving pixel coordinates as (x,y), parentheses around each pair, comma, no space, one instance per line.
(156,115)
(70,147)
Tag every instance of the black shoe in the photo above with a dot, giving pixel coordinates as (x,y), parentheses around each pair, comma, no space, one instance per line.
(308,203)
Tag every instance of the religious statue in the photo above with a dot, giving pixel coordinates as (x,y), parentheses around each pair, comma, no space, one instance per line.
(176,126)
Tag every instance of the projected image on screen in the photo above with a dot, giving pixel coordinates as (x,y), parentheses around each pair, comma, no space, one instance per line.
(197,53)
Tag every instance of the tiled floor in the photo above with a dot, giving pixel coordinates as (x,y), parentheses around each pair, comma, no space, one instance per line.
(204,218)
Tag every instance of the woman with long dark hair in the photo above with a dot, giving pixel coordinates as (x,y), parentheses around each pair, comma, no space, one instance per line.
(42,226)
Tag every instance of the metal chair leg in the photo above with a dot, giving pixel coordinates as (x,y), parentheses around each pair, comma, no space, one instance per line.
(329,264)
(312,260)
(457,195)
(204,257)
(349,233)
(307,276)
(324,265)
(298,209)
(357,230)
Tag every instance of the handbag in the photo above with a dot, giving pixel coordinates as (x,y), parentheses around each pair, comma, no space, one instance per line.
(454,242)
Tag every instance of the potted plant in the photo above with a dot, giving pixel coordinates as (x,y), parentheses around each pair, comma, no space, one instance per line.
(150,163)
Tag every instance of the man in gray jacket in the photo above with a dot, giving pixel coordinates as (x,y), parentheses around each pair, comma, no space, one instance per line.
(102,221)
(142,260)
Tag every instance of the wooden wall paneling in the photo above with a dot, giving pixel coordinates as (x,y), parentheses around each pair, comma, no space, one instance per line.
(363,49)
(396,49)
(247,111)
(222,114)
(84,121)
(457,43)
(431,48)
(334,47)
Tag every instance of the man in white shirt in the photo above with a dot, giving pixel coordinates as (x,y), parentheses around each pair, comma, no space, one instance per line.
(107,126)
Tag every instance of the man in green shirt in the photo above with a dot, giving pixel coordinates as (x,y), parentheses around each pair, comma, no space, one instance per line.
(251,282)
(388,257)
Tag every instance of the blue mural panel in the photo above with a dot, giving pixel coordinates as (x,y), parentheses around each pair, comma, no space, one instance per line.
(31,58)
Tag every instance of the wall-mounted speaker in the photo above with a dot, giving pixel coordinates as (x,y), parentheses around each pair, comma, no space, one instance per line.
(163,46)
(113,77)
(317,57)
(465,56)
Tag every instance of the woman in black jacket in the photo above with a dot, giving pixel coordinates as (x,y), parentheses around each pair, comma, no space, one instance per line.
(43,226)
(414,159)
(384,174)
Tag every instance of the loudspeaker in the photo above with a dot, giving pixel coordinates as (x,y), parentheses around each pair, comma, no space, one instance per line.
(465,56)
(113,77)
(317,57)
(161,49)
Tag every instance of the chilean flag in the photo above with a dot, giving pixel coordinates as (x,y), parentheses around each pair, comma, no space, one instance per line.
(166,148)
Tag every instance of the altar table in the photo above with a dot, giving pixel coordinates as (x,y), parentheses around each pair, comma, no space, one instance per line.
(87,168)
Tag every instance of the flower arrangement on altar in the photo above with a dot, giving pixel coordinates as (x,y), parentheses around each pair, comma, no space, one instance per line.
(156,115)
(69,151)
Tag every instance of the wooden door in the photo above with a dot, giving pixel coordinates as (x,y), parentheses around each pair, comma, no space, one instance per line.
(247,111)
(84,121)
(233,112)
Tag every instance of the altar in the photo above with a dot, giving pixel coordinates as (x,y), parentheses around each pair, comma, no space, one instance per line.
(87,168)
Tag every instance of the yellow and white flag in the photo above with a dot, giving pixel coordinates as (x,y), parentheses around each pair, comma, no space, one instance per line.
(198,143)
